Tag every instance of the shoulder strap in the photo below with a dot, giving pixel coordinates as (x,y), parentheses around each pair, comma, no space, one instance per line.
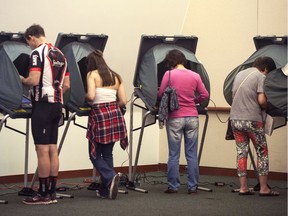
(243,82)
(42,72)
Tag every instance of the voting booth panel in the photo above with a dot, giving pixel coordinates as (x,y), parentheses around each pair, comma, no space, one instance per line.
(274,47)
(76,48)
(14,61)
(275,83)
(150,66)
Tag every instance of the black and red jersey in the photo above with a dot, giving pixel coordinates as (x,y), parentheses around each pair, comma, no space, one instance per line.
(52,65)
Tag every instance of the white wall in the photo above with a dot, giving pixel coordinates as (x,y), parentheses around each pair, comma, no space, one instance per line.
(224,29)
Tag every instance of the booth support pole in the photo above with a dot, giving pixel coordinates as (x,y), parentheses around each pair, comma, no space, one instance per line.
(65,132)
(60,147)
(26,153)
(3,121)
(1,124)
(139,144)
(131,184)
(203,137)
(26,191)
(133,98)
(201,148)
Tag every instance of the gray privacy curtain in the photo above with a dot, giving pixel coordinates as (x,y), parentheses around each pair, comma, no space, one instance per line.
(275,87)
(76,54)
(14,60)
(152,69)
(277,52)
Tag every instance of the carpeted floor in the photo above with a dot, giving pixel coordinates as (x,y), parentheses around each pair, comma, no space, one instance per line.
(220,201)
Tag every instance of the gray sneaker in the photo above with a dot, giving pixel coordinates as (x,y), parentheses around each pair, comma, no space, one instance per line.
(38,200)
(114,186)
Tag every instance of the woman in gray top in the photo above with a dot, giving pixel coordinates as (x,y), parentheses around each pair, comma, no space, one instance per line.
(247,123)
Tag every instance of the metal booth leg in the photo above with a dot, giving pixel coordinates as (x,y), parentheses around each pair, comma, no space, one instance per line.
(201,148)
(26,191)
(131,177)
(133,98)
(131,184)
(1,124)
(3,121)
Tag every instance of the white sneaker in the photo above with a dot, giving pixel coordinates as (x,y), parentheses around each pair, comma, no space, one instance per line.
(114,186)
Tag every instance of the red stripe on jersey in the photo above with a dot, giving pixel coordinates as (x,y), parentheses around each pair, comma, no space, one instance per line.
(35,69)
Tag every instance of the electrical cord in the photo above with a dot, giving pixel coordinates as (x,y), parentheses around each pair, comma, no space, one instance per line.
(147,179)
(217,115)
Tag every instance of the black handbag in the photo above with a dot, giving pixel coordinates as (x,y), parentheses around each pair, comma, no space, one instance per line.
(229,133)
(168,103)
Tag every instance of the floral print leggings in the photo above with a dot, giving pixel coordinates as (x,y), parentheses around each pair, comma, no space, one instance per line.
(244,130)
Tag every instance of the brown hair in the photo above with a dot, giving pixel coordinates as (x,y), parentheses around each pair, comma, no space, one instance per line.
(95,61)
(174,57)
(264,62)
(34,30)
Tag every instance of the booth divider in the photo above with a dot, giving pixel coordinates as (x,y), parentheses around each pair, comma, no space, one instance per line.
(147,79)
(14,97)
(275,82)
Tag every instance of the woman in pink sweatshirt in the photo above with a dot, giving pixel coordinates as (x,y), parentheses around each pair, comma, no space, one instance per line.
(184,121)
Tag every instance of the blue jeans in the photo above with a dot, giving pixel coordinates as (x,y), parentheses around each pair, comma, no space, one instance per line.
(103,162)
(176,127)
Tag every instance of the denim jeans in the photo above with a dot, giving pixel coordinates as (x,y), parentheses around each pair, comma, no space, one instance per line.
(176,128)
(103,162)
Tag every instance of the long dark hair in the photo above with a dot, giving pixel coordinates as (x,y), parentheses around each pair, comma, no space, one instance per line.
(95,61)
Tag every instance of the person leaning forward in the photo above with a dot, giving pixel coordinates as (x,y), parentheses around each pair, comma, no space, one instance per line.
(48,82)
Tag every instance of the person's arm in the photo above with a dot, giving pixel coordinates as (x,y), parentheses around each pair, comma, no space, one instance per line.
(35,68)
(121,95)
(90,87)
(203,93)
(33,78)
(262,100)
(66,83)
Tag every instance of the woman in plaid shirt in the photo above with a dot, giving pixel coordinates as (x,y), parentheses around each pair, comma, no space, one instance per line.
(106,124)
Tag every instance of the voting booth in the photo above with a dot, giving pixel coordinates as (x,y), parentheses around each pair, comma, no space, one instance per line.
(275,83)
(150,68)
(14,97)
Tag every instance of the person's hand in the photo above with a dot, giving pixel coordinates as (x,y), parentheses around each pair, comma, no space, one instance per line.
(88,101)
(21,78)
